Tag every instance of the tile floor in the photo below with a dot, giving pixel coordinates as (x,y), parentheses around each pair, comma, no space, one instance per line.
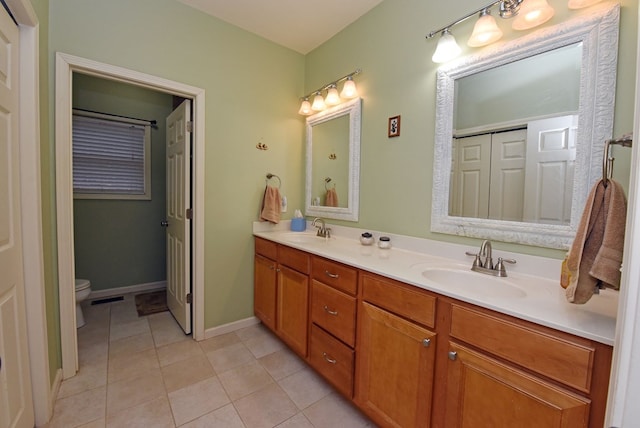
(144,372)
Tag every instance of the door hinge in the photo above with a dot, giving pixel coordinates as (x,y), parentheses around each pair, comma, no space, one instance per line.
(189,298)
(189,214)
(189,126)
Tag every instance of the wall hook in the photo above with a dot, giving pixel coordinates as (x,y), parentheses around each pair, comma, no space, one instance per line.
(261,145)
(333,156)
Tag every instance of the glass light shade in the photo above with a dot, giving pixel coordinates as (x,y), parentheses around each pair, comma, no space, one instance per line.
(332,96)
(349,89)
(318,103)
(532,13)
(305,107)
(485,31)
(447,48)
(579,4)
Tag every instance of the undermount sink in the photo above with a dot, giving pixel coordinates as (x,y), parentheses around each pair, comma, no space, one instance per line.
(473,283)
(303,238)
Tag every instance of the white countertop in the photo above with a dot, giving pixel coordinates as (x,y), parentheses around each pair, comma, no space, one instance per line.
(530,292)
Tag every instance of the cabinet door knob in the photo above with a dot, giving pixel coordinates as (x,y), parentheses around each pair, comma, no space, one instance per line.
(331,275)
(329,311)
(453,355)
(426,342)
(328,359)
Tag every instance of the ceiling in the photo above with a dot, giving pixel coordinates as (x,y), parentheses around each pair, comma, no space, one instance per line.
(301,25)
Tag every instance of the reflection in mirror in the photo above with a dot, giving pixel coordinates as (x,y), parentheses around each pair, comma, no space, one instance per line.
(333,162)
(330,167)
(516,154)
(515,134)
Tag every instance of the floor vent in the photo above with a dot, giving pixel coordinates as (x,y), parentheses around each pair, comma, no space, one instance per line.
(107,300)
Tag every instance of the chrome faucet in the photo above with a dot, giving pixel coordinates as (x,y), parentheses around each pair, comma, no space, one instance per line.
(323,230)
(483,261)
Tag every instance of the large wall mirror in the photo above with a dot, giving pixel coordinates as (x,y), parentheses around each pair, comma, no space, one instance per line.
(333,162)
(520,132)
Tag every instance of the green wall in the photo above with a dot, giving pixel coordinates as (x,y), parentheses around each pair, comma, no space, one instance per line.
(119,243)
(399,78)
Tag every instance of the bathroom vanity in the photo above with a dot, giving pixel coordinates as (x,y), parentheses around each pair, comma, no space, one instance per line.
(389,332)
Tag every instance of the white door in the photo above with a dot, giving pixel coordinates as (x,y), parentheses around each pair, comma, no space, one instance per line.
(472,176)
(16,407)
(506,195)
(551,156)
(178,215)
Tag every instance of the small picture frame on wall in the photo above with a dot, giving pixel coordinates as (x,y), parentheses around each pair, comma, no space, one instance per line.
(394,126)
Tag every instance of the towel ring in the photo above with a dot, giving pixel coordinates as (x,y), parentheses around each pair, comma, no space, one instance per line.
(327,180)
(607,161)
(270,176)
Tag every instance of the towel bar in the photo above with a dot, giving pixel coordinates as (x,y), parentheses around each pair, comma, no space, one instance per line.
(607,162)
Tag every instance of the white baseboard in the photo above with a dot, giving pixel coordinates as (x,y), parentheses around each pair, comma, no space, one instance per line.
(111,292)
(228,328)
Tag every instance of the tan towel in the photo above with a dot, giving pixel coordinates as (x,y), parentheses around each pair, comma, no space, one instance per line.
(596,254)
(271,205)
(331,200)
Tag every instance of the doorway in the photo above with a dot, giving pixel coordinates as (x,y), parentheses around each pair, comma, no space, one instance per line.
(66,65)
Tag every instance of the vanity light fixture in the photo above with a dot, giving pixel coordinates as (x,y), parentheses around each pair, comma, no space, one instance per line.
(320,103)
(485,31)
(532,13)
(527,13)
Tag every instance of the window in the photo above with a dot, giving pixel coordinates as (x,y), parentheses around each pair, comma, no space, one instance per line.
(111,157)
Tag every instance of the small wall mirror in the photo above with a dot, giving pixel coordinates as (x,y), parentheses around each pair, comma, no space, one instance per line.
(520,132)
(333,162)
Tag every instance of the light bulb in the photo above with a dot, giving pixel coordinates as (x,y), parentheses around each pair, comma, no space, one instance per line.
(579,4)
(485,31)
(305,107)
(332,96)
(447,48)
(532,13)
(318,102)
(349,89)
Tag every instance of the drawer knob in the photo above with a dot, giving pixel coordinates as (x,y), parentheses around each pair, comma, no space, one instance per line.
(426,342)
(453,355)
(329,311)
(328,359)
(331,275)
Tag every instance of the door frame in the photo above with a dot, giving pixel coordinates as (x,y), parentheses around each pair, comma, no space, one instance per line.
(31,200)
(66,65)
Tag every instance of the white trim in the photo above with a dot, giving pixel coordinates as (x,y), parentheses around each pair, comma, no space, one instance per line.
(32,244)
(230,327)
(65,66)
(624,383)
(118,291)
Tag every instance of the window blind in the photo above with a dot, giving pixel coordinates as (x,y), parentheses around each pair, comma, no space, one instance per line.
(108,156)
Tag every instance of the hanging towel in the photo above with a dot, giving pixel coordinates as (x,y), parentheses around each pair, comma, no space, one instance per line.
(271,204)
(331,200)
(596,254)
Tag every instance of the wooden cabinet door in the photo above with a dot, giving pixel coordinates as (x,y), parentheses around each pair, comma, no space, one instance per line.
(293,310)
(394,369)
(264,291)
(485,393)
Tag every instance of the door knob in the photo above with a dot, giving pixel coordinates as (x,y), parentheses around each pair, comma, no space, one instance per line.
(164,223)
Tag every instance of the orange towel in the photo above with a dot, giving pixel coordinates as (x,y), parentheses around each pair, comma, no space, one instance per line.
(271,205)
(596,253)
(331,200)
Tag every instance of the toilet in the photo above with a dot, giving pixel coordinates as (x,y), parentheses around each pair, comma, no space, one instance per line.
(83,289)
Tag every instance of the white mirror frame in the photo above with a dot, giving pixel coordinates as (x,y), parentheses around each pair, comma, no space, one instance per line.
(352,108)
(598,32)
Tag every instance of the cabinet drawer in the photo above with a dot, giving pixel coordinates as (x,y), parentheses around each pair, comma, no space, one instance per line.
(266,248)
(337,275)
(333,359)
(293,258)
(565,361)
(400,299)
(334,311)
